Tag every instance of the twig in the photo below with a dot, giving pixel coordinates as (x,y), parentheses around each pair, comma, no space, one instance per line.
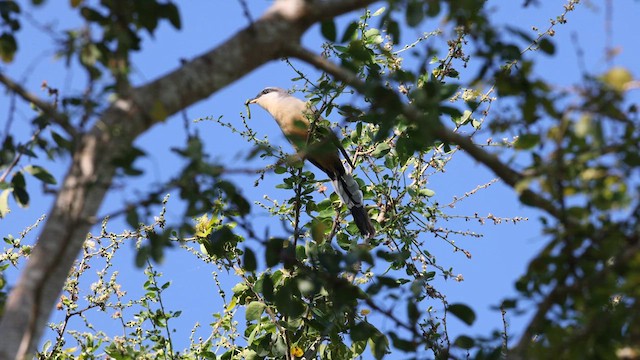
(507,174)
(47,108)
(18,156)
(297,205)
(245,11)
(505,334)
(159,298)
(469,193)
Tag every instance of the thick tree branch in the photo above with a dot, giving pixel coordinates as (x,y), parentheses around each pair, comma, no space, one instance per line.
(87,181)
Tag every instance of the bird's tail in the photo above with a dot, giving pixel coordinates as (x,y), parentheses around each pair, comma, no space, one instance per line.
(361,218)
(349,192)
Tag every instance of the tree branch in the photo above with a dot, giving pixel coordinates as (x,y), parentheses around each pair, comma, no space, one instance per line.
(89,177)
(563,290)
(504,172)
(48,109)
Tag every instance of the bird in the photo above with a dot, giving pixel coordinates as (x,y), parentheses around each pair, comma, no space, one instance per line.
(321,149)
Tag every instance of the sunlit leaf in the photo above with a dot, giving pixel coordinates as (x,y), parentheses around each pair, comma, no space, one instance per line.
(379,11)
(254,310)
(527,141)
(318,229)
(350,32)
(381,150)
(4,202)
(617,78)
(41,174)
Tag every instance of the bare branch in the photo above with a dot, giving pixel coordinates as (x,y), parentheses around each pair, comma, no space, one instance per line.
(47,108)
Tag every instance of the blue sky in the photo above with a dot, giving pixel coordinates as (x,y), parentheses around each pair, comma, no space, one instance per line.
(499,257)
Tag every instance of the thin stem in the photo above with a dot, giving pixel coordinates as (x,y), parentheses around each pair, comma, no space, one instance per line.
(162,309)
(47,108)
(296,206)
(18,156)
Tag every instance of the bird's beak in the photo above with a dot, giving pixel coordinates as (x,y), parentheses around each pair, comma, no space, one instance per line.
(251,101)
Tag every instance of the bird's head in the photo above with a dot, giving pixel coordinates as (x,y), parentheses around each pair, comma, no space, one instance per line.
(268,94)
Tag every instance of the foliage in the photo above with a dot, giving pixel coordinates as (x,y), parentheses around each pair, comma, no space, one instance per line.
(316,290)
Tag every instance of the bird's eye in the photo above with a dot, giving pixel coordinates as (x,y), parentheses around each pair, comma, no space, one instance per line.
(266,91)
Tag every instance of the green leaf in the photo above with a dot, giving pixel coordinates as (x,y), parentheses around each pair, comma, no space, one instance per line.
(132,217)
(381,150)
(414,14)
(617,78)
(448,90)
(372,36)
(218,242)
(350,32)
(462,312)
(379,345)
(522,34)
(328,30)
(19,193)
(464,342)
(433,8)
(402,344)
(362,331)
(527,141)
(465,118)
(547,46)
(249,263)
(394,31)
(274,248)
(318,229)
(509,304)
(142,256)
(254,310)
(412,311)
(426,192)
(287,303)
(18,180)
(41,174)
(61,141)
(267,287)
(172,13)
(359,51)
(8,47)
(404,149)
(527,197)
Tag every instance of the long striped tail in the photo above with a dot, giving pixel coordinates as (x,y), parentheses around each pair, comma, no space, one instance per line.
(349,192)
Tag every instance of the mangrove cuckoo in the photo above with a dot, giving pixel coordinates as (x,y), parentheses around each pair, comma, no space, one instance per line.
(318,145)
